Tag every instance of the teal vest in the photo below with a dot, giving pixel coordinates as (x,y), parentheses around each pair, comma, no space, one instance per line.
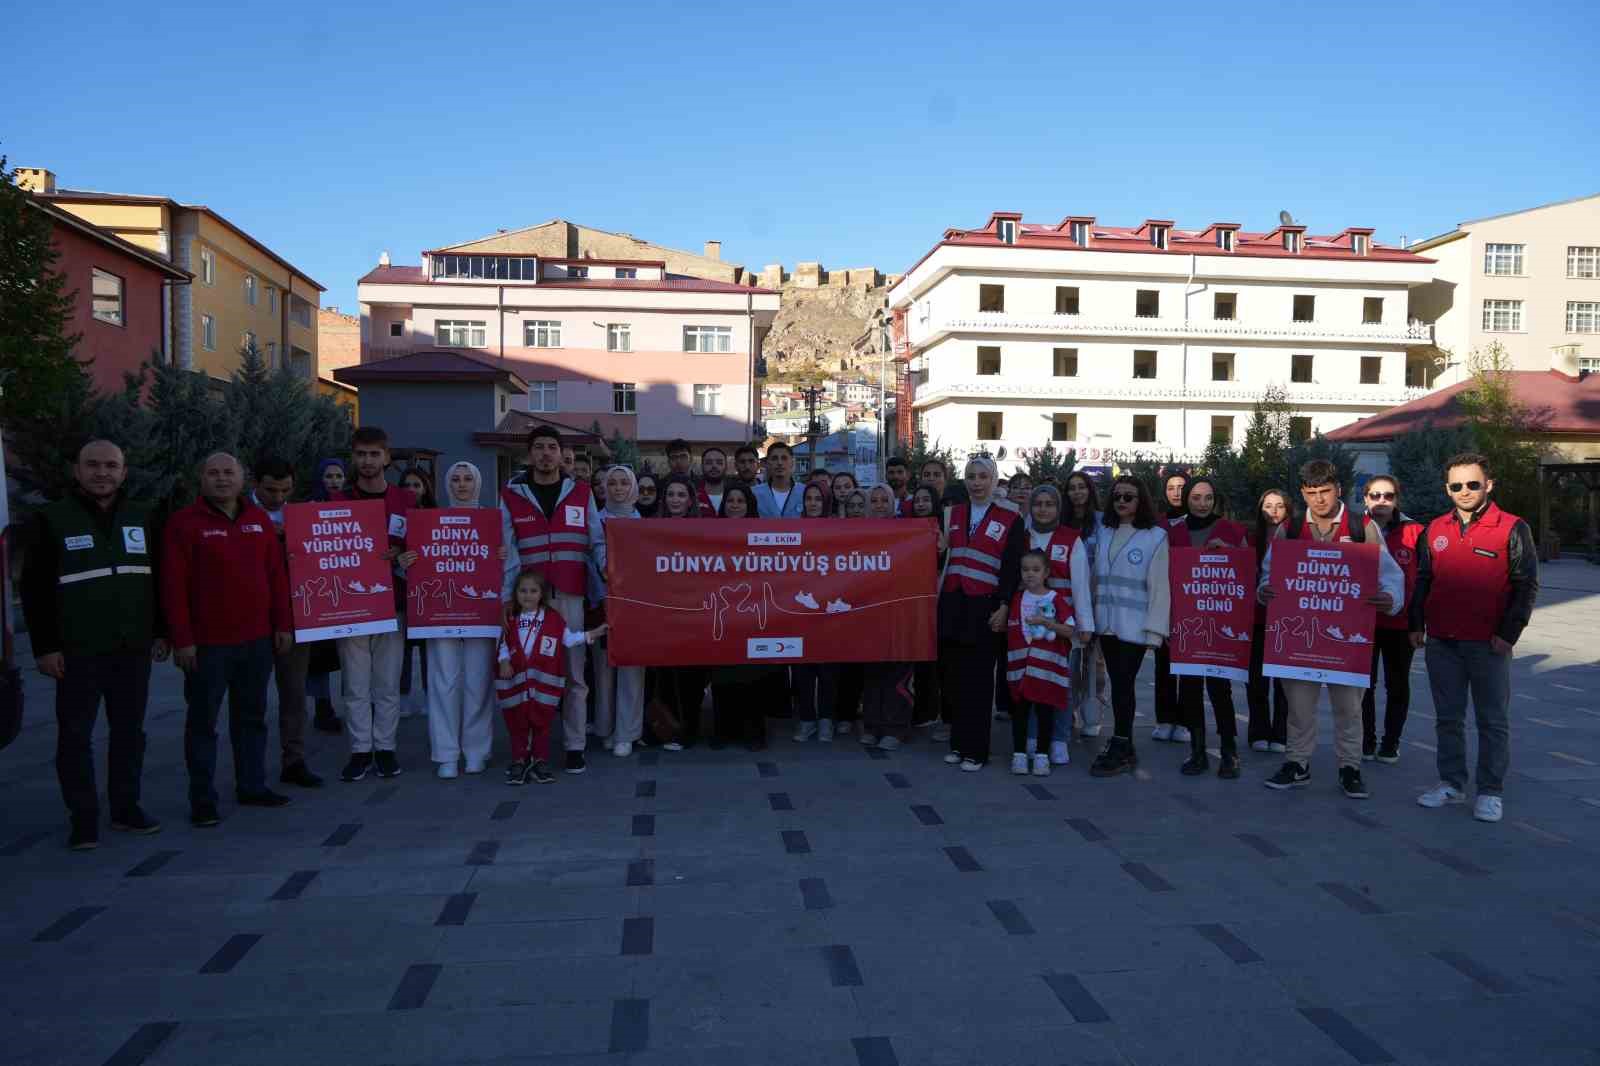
(105,584)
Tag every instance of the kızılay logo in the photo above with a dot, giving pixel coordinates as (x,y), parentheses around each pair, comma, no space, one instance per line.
(775,647)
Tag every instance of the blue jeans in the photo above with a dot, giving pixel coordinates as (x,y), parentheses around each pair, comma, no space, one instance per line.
(1455,669)
(240,673)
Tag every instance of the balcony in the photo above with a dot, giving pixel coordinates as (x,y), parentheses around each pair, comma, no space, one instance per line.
(1071,390)
(925,328)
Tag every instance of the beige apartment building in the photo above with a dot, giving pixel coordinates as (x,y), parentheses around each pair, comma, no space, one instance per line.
(1527,279)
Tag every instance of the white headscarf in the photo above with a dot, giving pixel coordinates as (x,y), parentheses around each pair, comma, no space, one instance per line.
(986,463)
(477,484)
(628,505)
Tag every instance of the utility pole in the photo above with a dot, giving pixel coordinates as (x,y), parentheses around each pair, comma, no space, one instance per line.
(811,393)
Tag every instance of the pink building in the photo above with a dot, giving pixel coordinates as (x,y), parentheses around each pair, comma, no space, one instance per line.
(619,342)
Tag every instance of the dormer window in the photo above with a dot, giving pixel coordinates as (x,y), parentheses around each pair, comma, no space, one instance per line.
(1080,233)
(1225,239)
(1359,243)
(1158,237)
(1291,241)
(1006,230)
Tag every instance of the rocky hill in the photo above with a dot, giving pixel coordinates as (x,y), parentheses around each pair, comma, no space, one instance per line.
(826,325)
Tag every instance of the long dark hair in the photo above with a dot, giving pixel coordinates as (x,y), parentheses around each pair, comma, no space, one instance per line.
(661,496)
(426,500)
(1144,515)
(1263,532)
(738,489)
(933,500)
(822,494)
(1090,506)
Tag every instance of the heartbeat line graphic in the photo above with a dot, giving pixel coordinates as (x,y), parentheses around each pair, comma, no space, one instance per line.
(738,599)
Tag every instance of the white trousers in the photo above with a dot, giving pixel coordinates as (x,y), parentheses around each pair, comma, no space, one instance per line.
(460,698)
(618,700)
(370,666)
(575,704)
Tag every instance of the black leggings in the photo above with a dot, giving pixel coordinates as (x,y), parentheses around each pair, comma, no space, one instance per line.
(1220,692)
(1393,646)
(1270,724)
(1123,659)
(1169,711)
(1020,710)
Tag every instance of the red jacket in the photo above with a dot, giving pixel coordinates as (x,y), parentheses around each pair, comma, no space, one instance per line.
(223,579)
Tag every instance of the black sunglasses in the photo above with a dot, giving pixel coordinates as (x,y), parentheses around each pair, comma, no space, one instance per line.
(1125,497)
(1471,486)
(1380,495)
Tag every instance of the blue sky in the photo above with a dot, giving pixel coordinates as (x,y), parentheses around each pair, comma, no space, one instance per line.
(849,133)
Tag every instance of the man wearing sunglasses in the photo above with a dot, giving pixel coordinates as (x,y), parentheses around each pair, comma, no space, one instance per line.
(1391,642)
(1477,579)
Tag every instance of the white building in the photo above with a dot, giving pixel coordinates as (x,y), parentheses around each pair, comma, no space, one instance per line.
(1151,338)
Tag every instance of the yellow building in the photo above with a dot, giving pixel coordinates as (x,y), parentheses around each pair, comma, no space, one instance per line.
(243,291)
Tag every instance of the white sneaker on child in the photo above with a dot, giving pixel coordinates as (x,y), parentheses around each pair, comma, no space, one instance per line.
(1019,763)
(1041,766)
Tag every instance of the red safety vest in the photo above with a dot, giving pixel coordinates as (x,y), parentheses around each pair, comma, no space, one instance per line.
(1058,550)
(1178,536)
(1402,544)
(973,565)
(1471,576)
(538,677)
(556,546)
(1039,671)
(707,508)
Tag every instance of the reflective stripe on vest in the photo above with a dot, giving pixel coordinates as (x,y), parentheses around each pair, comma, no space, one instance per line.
(538,536)
(973,565)
(104,571)
(1038,671)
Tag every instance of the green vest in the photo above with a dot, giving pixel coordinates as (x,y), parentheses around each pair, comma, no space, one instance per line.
(106,584)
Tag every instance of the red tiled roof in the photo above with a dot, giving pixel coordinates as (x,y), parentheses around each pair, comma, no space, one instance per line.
(1559,404)
(413,275)
(429,366)
(393,275)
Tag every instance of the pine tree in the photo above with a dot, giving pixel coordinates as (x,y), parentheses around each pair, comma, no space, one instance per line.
(1505,429)
(1047,464)
(1417,458)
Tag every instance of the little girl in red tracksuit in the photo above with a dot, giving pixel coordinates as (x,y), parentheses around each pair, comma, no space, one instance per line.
(532,676)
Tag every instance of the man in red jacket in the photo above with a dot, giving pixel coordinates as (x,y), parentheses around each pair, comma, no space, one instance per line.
(225,592)
(1477,578)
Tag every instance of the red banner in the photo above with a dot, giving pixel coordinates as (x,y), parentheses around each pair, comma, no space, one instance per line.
(720,591)
(453,589)
(1317,627)
(340,585)
(1213,608)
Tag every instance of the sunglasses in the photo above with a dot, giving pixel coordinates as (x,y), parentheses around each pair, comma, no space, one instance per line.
(1380,495)
(1125,497)
(1470,486)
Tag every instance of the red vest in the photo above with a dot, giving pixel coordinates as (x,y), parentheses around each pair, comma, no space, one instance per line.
(1471,575)
(973,564)
(1402,544)
(538,677)
(1039,671)
(1178,536)
(707,508)
(1059,551)
(556,546)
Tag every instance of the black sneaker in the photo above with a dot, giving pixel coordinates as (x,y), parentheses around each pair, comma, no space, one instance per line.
(1389,751)
(265,798)
(515,771)
(1229,768)
(1350,783)
(298,773)
(1117,758)
(85,835)
(134,820)
(204,816)
(1289,775)
(1197,763)
(359,766)
(575,763)
(1369,750)
(388,765)
(540,772)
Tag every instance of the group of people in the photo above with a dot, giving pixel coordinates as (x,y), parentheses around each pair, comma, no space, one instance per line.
(1047,606)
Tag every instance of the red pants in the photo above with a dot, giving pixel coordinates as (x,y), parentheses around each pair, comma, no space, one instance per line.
(529,725)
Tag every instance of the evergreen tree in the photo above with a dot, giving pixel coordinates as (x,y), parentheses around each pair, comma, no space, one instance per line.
(1505,429)
(1047,464)
(922,450)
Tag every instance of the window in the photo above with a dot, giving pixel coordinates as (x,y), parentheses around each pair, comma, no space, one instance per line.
(542,396)
(1066,299)
(623,399)
(1225,239)
(108,297)
(250,289)
(1221,366)
(991,297)
(1063,427)
(462,334)
(988,360)
(494,267)
(208,333)
(300,363)
(627,273)
(708,399)
(272,299)
(1582,316)
(1147,303)
(1305,308)
(1222,429)
(707,338)
(1299,429)
(247,339)
(577,272)
(1079,232)
(397,329)
(1583,261)
(1359,243)
(619,337)
(1372,310)
(541,334)
(1144,364)
(1144,429)
(1417,372)
(1588,364)
(1371,369)
(991,425)
(1502,316)
(1225,306)
(1291,241)
(1006,230)
(1502,259)
(1300,369)
(300,312)
(272,354)
(1066,362)
(1158,237)
(208,266)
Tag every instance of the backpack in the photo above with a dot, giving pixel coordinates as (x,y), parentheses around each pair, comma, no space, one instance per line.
(1358,527)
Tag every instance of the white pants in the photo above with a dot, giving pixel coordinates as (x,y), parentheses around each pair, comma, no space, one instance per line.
(618,700)
(460,698)
(575,704)
(370,666)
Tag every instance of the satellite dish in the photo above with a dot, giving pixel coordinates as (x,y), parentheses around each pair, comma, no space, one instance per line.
(1285,218)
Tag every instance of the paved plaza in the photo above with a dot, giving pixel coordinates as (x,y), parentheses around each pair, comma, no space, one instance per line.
(827,905)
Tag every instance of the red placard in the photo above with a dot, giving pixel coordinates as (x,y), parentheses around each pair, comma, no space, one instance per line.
(1213,608)
(340,585)
(1317,627)
(699,591)
(453,589)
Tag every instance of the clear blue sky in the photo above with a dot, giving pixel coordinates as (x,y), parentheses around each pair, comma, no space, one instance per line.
(848,133)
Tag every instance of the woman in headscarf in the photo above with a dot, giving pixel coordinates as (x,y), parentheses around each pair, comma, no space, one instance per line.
(327,485)
(461,698)
(649,495)
(619,690)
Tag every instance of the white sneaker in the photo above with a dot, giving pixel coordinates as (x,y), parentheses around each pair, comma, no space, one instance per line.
(672,745)
(804,731)
(1161,732)
(952,759)
(1260,745)
(825,730)
(1441,794)
(970,766)
(1031,746)
(941,732)
(889,743)
(842,728)
(1019,763)
(1488,809)
(1041,766)
(622,750)
(1180,734)
(1060,754)
(867,739)
(447,770)
(1279,748)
